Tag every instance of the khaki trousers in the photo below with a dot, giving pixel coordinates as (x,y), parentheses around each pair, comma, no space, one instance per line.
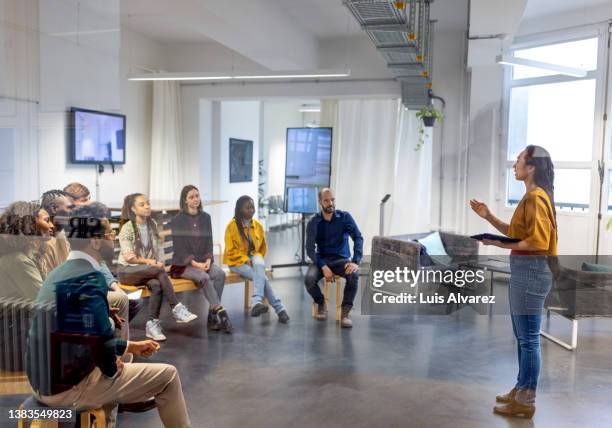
(137,382)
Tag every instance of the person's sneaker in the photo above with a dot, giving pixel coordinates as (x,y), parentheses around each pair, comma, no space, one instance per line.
(182,315)
(345,321)
(283,317)
(225,323)
(321,311)
(259,309)
(213,322)
(153,330)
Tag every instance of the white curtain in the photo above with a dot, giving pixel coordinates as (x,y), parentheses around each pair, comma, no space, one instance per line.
(376,146)
(329,117)
(409,209)
(167,139)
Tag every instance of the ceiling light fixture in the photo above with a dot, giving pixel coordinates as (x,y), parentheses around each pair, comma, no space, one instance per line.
(561,69)
(285,75)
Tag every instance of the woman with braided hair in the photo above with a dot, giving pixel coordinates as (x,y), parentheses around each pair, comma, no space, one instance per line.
(245,249)
(141,262)
(534,223)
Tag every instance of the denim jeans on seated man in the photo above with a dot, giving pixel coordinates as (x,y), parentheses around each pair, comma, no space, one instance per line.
(314,275)
(261,285)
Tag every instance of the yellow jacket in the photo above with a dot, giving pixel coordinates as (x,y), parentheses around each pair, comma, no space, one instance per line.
(236,248)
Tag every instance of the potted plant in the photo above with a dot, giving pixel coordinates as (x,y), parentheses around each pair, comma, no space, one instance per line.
(428,116)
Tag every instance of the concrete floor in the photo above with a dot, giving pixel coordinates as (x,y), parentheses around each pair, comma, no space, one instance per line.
(388,371)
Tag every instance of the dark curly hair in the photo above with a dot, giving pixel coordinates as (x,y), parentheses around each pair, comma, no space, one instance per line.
(17,223)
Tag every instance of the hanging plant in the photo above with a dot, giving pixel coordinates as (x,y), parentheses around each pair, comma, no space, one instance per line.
(428,116)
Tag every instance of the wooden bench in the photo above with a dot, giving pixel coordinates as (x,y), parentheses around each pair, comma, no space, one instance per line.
(180,285)
(14,383)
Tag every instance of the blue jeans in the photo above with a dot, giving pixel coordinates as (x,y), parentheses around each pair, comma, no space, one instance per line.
(261,285)
(530,282)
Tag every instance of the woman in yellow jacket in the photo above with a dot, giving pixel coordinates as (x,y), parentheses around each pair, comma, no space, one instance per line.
(245,249)
(534,223)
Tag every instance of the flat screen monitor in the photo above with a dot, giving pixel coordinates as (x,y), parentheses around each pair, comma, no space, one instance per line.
(307,168)
(97,137)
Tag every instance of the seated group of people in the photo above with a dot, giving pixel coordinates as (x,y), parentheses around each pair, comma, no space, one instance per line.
(68,235)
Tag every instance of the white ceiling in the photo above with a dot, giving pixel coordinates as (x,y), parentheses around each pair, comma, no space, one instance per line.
(320,18)
(538,8)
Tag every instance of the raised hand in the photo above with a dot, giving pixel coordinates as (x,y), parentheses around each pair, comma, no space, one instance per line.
(480,208)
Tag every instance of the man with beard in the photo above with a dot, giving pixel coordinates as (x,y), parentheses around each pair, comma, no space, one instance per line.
(327,246)
(96,379)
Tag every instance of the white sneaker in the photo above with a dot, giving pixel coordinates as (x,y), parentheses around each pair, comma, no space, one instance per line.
(182,315)
(153,330)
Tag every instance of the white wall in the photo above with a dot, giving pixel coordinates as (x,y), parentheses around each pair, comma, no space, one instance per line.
(134,99)
(449,138)
(87,69)
(205,57)
(221,121)
(278,116)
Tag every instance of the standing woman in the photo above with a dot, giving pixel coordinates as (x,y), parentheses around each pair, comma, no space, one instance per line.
(245,249)
(534,223)
(141,262)
(193,257)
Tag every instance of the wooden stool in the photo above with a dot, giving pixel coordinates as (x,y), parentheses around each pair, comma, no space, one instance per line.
(85,416)
(326,285)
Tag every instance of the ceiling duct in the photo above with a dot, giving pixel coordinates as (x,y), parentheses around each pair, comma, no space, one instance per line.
(403,34)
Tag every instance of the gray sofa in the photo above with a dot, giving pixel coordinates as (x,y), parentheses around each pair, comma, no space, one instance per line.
(403,251)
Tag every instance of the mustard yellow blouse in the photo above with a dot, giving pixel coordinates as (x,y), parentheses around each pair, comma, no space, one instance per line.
(533,221)
(236,248)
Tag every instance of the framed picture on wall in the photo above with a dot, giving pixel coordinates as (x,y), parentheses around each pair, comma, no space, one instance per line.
(241,160)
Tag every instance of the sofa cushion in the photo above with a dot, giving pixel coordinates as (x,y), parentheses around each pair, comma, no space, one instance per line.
(435,248)
(592,267)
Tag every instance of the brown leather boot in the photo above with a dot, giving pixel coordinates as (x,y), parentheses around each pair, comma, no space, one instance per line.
(516,409)
(506,398)
(522,405)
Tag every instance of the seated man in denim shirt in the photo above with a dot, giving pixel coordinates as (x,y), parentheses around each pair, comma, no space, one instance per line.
(327,246)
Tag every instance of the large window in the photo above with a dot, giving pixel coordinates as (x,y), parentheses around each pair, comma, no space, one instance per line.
(558,112)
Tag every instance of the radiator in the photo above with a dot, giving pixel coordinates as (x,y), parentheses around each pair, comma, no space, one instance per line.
(15,320)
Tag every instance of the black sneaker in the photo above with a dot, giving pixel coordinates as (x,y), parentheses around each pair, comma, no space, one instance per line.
(259,309)
(213,321)
(225,323)
(283,317)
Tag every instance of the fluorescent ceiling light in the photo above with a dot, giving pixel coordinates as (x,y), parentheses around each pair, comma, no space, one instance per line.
(179,76)
(561,69)
(84,32)
(243,76)
(309,110)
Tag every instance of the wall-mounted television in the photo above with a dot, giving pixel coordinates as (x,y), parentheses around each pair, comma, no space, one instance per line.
(96,137)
